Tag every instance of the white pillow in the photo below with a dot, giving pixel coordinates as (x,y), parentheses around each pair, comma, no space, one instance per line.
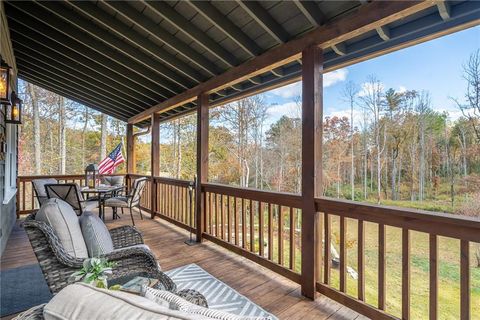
(167,298)
(64,222)
(95,234)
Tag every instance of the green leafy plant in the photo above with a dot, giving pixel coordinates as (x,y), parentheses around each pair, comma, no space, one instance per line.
(95,271)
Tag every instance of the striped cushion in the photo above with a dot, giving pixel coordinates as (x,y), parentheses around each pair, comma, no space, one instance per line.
(96,235)
(175,302)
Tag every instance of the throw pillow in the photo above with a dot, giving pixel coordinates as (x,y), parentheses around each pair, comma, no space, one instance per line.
(96,235)
(64,222)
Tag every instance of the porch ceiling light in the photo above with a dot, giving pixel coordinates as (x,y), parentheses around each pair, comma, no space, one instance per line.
(4,83)
(13,111)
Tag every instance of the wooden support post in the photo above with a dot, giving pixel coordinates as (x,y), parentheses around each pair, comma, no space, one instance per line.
(202,162)
(130,149)
(312,109)
(155,161)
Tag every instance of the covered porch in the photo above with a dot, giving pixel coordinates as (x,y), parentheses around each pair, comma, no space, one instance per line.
(269,246)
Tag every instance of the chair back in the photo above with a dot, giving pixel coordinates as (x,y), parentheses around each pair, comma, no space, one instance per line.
(114,181)
(137,190)
(68,192)
(38,186)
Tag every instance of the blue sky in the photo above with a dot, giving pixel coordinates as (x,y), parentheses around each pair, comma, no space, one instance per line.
(434,66)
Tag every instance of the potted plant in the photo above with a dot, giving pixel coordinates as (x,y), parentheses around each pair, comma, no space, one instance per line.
(95,272)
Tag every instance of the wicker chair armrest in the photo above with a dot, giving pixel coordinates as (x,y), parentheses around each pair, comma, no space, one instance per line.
(34,313)
(125,236)
(133,259)
(55,244)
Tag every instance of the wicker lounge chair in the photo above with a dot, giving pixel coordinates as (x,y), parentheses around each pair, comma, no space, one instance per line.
(57,265)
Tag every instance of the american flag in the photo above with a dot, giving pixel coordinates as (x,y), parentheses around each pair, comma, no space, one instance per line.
(112,161)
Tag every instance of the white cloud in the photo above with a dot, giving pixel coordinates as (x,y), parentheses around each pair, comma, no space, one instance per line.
(402,89)
(295,89)
(290,109)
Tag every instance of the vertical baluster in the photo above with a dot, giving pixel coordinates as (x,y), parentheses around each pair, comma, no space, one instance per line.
(327,262)
(229,221)
(32,195)
(270,232)
(252,227)
(280,235)
(210,218)
(405,274)
(343,254)
(433,276)
(235,219)
(222,218)
(361,260)
(381,266)
(260,229)
(292,240)
(244,224)
(216,215)
(464,279)
(23,197)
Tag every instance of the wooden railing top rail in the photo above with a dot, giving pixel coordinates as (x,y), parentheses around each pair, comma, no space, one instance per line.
(280,198)
(443,224)
(173,181)
(61,176)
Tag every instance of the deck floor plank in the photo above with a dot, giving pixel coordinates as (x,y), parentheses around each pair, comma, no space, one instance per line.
(273,292)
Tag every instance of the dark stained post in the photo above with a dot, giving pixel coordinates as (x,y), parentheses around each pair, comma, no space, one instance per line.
(202,162)
(130,149)
(312,114)
(155,161)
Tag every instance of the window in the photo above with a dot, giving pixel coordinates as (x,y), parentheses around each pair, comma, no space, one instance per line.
(10,163)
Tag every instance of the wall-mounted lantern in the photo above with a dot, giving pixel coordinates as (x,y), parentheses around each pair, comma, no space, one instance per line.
(4,83)
(13,112)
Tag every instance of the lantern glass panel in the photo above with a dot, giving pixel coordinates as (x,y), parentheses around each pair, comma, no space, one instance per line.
(4,83)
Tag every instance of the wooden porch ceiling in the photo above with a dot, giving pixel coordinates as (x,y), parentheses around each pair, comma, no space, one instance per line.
(129,59)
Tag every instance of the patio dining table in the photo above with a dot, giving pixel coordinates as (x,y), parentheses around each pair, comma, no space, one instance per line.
(102,192)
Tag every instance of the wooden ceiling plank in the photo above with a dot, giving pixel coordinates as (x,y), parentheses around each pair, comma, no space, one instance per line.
(47,86)
(75,90)
(157,32)
(40,39)
(311,11)
(265,20)
(153,70)
(220,21)
(81,41)
(189,29)
(136,38)
(68,73)
(363,19)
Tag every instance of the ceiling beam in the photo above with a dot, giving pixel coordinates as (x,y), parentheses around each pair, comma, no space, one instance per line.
(66,73)
(265,20)
(384,33)
(41,38)
(82,44)
(311,11)
(361,20)
(114,25)
(158,32)
(101,105)
(222,22)
(157,72)
(52,88)
(444,9)
(195,34)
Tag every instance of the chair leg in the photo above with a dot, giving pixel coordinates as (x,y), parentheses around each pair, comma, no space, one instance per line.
(131,215)
(122,209)
(140,210)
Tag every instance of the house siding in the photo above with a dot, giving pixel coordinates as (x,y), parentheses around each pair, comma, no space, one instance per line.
(7,211)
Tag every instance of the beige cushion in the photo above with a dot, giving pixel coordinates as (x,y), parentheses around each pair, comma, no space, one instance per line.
(64,222)
(81,301)
(174,302)
(95,234)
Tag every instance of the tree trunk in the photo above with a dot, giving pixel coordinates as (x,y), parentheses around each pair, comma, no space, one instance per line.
(62,134)
(352,173)
(103,136)
(36,130)
(84,133)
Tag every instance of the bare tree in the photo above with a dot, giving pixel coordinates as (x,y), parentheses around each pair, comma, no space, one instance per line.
(103,135)
(36,129)
(350,92)
(471,107)
(62,133)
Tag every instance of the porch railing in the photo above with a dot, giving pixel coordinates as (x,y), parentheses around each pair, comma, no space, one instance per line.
(266,227)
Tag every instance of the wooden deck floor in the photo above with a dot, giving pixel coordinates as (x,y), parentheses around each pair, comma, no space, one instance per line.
(269,290)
